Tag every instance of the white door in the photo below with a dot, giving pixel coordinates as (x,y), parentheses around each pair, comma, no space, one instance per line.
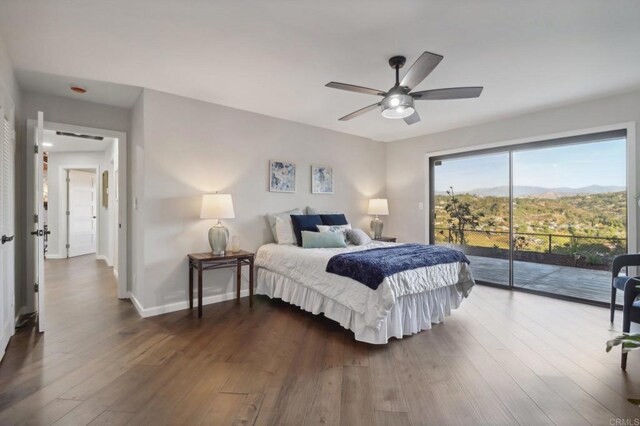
(82,212)
(7,229)
(38,222)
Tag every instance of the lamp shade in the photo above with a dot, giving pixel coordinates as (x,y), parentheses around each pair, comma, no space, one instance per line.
(378,206)
(217,206)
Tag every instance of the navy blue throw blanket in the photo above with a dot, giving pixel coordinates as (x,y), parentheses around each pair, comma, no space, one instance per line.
(371,267)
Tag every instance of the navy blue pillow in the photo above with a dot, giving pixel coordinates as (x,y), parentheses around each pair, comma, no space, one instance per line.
(304,222)
(333,219)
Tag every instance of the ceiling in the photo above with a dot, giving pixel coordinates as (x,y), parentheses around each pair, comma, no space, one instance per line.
(274,57)
(118,95)
(60,143)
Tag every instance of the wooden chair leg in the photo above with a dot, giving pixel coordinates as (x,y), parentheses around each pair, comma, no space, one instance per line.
(613,303)
(626,321)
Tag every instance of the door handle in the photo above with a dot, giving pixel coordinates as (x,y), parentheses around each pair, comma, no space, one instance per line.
(94,217)
(6,239)
(38,232)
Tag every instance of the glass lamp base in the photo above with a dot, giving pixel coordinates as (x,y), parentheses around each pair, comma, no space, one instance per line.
(218,239)
(376,228)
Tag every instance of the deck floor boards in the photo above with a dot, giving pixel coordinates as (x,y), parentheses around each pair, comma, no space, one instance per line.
(565,280)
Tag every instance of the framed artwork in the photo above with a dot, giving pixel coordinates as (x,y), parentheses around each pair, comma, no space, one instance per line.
(282,176)
(321,180)
(105,189)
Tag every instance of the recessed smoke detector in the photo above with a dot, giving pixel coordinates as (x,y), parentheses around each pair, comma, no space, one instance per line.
(78,89)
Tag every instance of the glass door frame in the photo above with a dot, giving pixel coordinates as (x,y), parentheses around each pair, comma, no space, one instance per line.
(511,149)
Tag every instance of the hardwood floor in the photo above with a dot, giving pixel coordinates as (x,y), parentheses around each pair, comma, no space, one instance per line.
(502,358)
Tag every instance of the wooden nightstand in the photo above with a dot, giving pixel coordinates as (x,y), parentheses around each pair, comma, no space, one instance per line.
(205,261)
(387,239)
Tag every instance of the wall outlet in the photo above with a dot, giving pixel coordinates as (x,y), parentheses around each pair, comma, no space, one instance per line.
(420,206)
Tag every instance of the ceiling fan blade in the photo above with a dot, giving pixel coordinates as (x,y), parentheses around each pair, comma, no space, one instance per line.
(354,88)
(420,69)
(359,112)
(450,93)
(413,118)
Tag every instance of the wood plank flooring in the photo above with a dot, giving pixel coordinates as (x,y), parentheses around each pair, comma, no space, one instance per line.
(502,358)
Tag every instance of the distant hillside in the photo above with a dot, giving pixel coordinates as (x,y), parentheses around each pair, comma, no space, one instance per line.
(598,215)
(541,192)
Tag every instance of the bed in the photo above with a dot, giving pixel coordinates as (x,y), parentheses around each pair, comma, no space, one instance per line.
(404,303)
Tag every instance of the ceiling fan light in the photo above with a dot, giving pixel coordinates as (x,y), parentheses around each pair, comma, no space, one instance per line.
(397,106)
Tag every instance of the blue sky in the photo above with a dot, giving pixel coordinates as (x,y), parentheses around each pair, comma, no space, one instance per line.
(574,166)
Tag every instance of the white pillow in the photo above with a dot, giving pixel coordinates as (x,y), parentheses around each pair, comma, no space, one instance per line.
(271,217)
(358,236)
(335,228)
(284,231)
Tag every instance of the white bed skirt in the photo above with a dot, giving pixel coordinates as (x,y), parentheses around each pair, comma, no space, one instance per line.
(410,314)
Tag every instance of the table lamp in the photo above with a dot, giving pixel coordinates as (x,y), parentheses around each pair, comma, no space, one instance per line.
(378,207)
(217,206)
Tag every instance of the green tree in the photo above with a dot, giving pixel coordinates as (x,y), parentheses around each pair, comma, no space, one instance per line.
(461,217)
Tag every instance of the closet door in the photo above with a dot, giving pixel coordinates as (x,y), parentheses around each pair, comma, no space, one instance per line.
(7,229)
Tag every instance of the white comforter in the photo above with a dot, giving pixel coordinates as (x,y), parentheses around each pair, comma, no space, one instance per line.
(308,267)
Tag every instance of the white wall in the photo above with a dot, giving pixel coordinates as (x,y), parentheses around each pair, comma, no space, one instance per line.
(59,110)
(192,147)
(58,162)
(406,166)
(7,77)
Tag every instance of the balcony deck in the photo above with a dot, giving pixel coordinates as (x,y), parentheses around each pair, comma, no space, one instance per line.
(569,281)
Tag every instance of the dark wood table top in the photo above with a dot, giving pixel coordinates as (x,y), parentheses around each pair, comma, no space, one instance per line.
(228,255)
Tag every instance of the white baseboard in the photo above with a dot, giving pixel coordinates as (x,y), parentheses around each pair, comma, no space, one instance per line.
(105,258)
(55,256)
(7,332)
(179,306)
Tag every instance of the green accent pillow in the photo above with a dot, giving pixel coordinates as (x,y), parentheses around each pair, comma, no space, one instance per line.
(322,239)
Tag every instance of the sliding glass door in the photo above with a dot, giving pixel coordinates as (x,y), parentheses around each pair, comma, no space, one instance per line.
(546,217)
(470,211)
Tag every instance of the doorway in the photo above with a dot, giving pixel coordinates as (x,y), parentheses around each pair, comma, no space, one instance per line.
(545,217)
(80,191)
(78,196)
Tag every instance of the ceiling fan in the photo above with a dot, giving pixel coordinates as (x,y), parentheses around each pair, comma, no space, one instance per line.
(398,101)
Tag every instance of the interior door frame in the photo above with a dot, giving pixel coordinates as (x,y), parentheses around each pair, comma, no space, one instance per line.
(122,222)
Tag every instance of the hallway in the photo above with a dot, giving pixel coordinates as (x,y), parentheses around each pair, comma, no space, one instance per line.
(84,335)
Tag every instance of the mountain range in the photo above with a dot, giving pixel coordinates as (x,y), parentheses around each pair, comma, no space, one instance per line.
(541,192)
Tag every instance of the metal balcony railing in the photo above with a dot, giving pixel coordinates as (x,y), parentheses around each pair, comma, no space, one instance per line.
(558,244)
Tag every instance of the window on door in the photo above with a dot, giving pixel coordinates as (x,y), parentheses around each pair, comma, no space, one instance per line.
(548,217)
